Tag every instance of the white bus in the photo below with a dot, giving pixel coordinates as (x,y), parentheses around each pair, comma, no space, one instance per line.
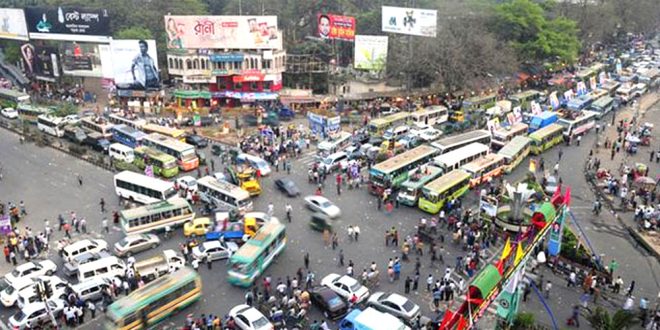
(484,169)
(156,216)
(183,152)
(223,194)
(143,189)
(578,126)
(603,106)
(454,142)
(455,159)
(51,125)
(502,136)
(336,143)
(136,123)
(433,115)
(98,125)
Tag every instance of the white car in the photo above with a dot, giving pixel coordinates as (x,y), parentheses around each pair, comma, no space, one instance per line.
(187,182)
(396,305)
(261,218)
(323,205)
(346,286)
(27,295)
(250,318)
(33,315)
(430,135)
(10,113)
(31,270)
(133,244)
(215,250)
(72,119)
(9,295)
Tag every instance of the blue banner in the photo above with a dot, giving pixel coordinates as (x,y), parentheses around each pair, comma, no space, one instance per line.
(236,57)
(554,243)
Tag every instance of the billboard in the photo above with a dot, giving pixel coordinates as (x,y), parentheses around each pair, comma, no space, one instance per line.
(40,62)
(83,59)
(370,52)
(135,64)
(12,25)
(412,21)
(232,32)
(68,23)
(331,26)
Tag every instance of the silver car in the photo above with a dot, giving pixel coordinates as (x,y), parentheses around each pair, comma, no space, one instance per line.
(323,205)
(132,244)
(396,305)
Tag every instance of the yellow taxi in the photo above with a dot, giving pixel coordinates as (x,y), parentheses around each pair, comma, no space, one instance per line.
(197,227)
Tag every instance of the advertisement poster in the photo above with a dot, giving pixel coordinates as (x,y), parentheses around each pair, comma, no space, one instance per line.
(331,26)
(232,32)
(12,24)
(135,64)
(412,21)
(68,23)
(82,59)
(40,62)
(370,52)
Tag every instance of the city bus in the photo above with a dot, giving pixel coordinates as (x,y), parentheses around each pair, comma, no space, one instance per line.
(174,133)
(546,138)
(459,157)
(450,186)
(161,163)
(143,189)
(51,125)
(523,98)
(579,103)
(156,216)
(411,189)
(136,123)
(224,195)
(29,113)
(610,86)
(432,115)
(515,152)
(597,93)
(484,169)
(502,135)
(457,141)
(394,171)
(98,125)
(147,306)
(602,106)
(378,126)
(184,153)
(13,97)
(127,135)
(480,102)
(252,259)
(578,126)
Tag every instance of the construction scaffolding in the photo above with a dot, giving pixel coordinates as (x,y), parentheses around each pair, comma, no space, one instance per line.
(301,64)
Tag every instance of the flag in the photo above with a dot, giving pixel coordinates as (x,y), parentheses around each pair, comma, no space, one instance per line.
(532,165)
(519,254)
(507,249)
(567,196)
(462,323)
(500,266)
(445,320)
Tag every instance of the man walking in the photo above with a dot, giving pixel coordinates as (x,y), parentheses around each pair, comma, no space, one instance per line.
(102,203)
(289,209)
(306,260)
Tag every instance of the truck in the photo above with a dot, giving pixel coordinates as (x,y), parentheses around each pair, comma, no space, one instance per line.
(371,319)
(541,120)
(155,267)
(245,177)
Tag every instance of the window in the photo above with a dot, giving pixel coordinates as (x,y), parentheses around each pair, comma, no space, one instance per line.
(195,64)
(180,64)
(188,64)
(267,64)
(203,64)
(171,63)
(253,86)
(268,85)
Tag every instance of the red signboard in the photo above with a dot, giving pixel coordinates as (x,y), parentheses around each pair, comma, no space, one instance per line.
(248,77)
(331,26)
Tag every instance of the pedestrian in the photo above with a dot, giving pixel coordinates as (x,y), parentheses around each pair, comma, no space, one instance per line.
(341,257)
(7,253)
(12,256)
(380,203)
(335,240)
(574,319)
(407,284)
(209,264)
(429,282)
(416,282)
(92,308)
(212,165)
(356,232)
(23,209)
(195,263)
(83,225)
(104,223)
(350,232)
(526,292)
(387,238)
(80,180)
(631,288)
(561,152)
(306,260)
(547,288)
(289,209)
(572,278)
(102,203)
(579,138)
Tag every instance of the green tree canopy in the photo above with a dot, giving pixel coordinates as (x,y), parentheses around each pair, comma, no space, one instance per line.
(134,33)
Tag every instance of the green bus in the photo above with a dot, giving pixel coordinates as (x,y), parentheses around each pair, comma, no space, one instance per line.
(391,173)
(252,259)
(443,189)
(156,216)
(546,138)
(151,304)
(162,163)
(480,102)
(412,188)
(523,98)
(29,113)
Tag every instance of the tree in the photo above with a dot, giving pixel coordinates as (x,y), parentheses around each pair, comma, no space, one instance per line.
(601,319)
(65,109)
(134,33)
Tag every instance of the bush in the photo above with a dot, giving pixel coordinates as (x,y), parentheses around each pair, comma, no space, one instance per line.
(77,150)
(524,321)
(124,166)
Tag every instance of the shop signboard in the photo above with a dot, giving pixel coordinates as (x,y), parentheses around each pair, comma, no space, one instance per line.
(68,23)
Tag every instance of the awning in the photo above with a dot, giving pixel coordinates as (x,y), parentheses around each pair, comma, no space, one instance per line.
(188,94)
(246,96)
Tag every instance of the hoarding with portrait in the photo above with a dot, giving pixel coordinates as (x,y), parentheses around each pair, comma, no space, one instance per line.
(12,24)
(135,64)
(412,21)
(40,62)
(68,23)
(370,52)
(331,26)
(83,59)
(218,32)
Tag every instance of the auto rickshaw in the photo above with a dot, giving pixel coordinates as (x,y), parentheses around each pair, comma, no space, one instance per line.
(320,222)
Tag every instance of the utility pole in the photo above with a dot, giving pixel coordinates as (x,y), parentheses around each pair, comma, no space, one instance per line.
(44,292)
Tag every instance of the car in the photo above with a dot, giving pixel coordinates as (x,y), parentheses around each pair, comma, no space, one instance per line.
(97,142)
(410,141)
(132,244)
(320,222)
(197,141)
(551,185)
(74,134)
(71,268)
(216,250)
(396,305)
(430,135)
(187,182)
(346,286)
(197,227)
(329,302)
(287,186)
(9,295)
(323,205)
(27,295)
(220,176)
(33,315)
(72,119)
(31,270)
(249,318)
(83,246)
(9,113)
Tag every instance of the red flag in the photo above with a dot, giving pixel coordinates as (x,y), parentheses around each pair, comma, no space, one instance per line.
(462,323)
(500,266)
(445,319)
(557,193)
(567,197)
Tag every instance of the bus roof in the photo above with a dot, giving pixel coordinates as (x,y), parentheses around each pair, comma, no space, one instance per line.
(524,94)
(482,162)
(583,114)
(444,182)
(431,173)
(546,115)
(170,131)
(123,128)
(407,157)
(30,107)
(603,101)
(154,154)
(505,131)
(97,121)
(545,131)
(263,238)
(10,93)
(390,118)
(224,186)
(451,158)
(479,98)
(514,146)
(170,142)
(174,203)
(154,183)
(452,140)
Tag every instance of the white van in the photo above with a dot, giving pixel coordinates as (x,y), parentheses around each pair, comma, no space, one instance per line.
(338,160)
(394,133)
(108,267)
(9,295)
(86,245)
(91,289)
(121,152)
(255,162)
(337,143)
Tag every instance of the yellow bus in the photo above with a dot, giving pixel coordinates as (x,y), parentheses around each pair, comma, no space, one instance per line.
(502,136)
(515,152)
(480,102)
(546,138)
(443,189)
(484,169)
(174,133)
(378,126)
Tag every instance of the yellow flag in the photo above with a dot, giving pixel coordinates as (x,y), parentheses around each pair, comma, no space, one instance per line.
(532,166)
(507,249)
(519,254)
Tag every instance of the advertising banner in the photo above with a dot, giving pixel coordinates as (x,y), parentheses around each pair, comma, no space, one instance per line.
(233,32)
(412,21)
(370,52)
(335,27)
(82,59)
(12,24)
(135,64)
(554,243)
(40,62)
(68,23)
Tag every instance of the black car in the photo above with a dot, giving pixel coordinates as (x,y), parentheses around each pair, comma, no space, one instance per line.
(287,186)
(326,300)
(197,141)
